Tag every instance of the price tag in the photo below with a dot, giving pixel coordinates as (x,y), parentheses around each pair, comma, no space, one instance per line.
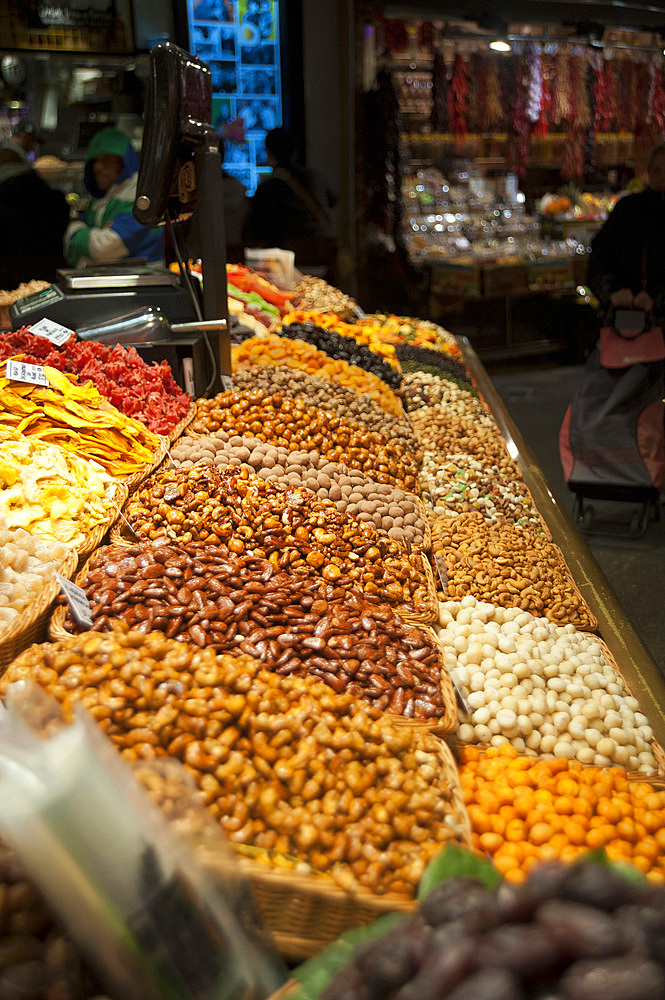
(54,332)
(19,371)
(77,600)
(227,383)
(457,684)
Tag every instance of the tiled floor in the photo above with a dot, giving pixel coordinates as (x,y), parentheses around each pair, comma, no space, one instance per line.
(536,399)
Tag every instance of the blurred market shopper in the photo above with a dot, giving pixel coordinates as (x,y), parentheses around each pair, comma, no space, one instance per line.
(33,215)
(627,264)
(108,230)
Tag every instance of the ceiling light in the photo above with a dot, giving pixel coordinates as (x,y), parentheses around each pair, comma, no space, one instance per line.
(500,45)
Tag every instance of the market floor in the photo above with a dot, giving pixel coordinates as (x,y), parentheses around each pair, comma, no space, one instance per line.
(536,398)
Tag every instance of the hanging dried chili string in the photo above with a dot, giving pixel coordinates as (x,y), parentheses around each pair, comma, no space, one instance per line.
(457,98)
(572,163)
(520,125)
(629,96)
(395,34)
(542,125)
(584,117)
(604,94)
(656,114)
(493,114)
(562,88)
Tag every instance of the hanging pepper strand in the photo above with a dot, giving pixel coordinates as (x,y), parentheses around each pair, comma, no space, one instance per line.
(459,86)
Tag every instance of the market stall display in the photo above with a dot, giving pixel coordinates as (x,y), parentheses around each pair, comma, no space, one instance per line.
(543,687)
(78,419)
(147,392)
(315,293)
(264,615)
(327,395)
(461,483)
(274,350)
(290,527)
(56,495)
(508,566)
(284,762)
(284,422)
(559,810)
(28,588)
(392,511)
(584,932)
(207,595)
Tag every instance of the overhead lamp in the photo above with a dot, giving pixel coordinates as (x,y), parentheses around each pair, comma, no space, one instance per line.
(499,29)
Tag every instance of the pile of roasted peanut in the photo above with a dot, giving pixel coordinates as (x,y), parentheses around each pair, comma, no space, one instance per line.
(510,567)
(284,762)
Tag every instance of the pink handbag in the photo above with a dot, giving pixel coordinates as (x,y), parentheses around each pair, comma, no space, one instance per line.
(619,349)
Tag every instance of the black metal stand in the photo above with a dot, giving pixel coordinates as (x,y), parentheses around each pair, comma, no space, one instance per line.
(210,209)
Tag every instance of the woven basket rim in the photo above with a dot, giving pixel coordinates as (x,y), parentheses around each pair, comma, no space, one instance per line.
(177,431)
(590,627)
(11,638)
(92,541)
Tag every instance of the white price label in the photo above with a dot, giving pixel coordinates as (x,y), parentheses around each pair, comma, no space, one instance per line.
(54,332)
(77,600)
(227,383)
(19,371)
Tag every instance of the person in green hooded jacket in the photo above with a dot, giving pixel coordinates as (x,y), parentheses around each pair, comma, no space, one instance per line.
(108,230)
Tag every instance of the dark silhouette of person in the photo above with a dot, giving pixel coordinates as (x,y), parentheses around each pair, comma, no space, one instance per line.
(33,215)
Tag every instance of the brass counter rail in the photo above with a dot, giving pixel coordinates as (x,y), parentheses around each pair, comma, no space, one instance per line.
(645,680)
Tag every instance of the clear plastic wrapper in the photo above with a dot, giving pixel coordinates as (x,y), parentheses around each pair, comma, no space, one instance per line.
(122,877)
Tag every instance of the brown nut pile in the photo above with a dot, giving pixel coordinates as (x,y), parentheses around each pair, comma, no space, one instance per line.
(315,293)
(461,483)
(421,389)
(202,593)
(292,528)
(37,961)
(291,423)
(328,395)
(284,762)
(445,433)
(391,510)
(510,567)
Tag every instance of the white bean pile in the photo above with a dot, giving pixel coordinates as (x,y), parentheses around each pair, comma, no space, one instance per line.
(545,688)
(27,563)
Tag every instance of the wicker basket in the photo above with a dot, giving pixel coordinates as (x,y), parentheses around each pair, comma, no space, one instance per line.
(30,625)
(590,622)
(428,612)
(184,423)
(656,749)
(94,539)
(131,482)
(306,913)
(444,724)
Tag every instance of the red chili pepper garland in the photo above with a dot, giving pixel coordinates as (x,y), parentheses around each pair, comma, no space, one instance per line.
(521,127)
(457,94)
(494,113)
(147,392)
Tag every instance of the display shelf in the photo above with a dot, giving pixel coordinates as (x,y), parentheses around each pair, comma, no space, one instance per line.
(640,671)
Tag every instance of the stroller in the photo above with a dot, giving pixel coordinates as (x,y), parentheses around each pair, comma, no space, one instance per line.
(612,440)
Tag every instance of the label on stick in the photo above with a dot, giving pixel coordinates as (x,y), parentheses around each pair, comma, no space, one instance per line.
(54,332)
(19,371)
(77,600)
